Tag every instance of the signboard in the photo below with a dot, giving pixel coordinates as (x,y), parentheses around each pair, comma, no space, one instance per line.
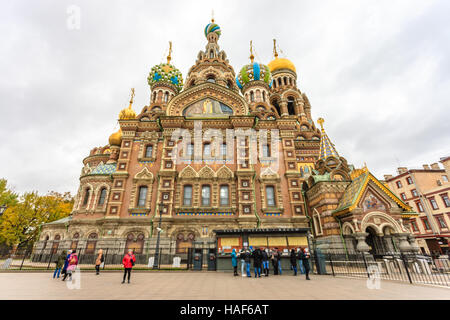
(298,241)
(258,241)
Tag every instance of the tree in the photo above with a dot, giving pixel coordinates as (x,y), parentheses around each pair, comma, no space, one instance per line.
(20,225)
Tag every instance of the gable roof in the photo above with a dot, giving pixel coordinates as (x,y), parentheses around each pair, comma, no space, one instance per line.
(355,190)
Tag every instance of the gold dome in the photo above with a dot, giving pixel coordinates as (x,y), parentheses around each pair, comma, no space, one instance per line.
(116,138)
(281,63)
(127,114)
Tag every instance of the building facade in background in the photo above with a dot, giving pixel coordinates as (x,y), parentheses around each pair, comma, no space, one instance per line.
(427,191)
(254,159)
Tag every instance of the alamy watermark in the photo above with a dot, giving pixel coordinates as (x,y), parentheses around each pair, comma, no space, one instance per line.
(73,21)
(374,281)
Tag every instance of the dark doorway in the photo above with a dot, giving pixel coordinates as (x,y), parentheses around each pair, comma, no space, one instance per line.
(375,242)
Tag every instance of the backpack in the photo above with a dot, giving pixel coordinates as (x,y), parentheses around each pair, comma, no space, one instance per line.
(132,261)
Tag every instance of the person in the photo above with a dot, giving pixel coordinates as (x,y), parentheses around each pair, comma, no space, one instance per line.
(265,261)
(304,255)
(247,259)
(234,261)
(241,256)
(273,257)
(301,268)
(66,262)
(73,262)
(257,260)
(99,261)
(278,257)
(128,262)
(293,259)
(59,264)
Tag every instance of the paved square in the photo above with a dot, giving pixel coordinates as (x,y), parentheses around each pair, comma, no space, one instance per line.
(207,286)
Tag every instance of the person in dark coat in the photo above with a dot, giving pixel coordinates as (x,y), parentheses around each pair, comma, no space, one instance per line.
(293,258)
(59,264)
(274,261)
(66,263)
(247,259)
(265,262)
(278,256)
(304,256)
(257,261)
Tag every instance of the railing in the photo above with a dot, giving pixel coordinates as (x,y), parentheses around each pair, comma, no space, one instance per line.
(412,268)
(26,259)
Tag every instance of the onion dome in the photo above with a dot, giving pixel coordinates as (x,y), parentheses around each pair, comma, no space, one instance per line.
(167,73)
(128,113)
(212,27)
(280,63)
(253,72)
(116,138)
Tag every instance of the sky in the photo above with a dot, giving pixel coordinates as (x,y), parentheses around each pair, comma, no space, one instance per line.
(378,72)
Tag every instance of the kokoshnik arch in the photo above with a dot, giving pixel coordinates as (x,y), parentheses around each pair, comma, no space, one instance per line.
(125,183)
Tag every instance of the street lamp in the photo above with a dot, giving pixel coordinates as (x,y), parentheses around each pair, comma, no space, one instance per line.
(155,262)
(3,209)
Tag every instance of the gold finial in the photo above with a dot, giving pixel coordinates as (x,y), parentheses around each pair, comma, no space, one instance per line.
(132,97)
(320,121)
(212,16)
(275,53)
(252,57)
(169,57)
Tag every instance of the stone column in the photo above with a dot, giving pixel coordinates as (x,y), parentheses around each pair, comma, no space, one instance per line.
(388,243)
(413,243)
(361,238)
(283,108)
(404,245)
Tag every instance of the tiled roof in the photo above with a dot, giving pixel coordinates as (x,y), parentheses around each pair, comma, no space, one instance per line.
(104,169)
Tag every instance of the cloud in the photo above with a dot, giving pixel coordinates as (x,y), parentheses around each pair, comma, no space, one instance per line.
(377,71)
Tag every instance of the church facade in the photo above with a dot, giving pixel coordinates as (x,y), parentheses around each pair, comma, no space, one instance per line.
(222,150)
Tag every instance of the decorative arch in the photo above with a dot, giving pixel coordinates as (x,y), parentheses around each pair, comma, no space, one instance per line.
(188,173)
(381,215)
(207,172)
(347,228)
(224,173)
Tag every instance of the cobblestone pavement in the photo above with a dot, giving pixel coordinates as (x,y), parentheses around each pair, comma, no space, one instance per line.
(205,286)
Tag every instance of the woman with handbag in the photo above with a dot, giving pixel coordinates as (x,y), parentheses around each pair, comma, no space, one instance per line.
(73,262)
(100,259)
(128,262)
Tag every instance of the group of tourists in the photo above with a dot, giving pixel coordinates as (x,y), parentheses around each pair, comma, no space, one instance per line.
(261,258)
(66,264)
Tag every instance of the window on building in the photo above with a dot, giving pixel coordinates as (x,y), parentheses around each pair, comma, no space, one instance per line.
(224,196)
(426,224)
(265,150)
(414,193)
(149,151)
(264,96)
(87,193)
(142,196)
(166,96)
(445,200)
(270,196)
(206,195)
(433,204)
(445,178)
(414,226)
(211,78)
(190,149)
(187,195)
(223,149)
(252,96)
(419,206)
(207,150)
(102,198)
(399,184)
(409,180)
(441,222)
(403,196)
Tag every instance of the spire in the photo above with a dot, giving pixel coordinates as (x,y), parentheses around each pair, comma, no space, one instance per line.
(252,57)
(128,113)
(327,148)
(132,97)
(212,16)
(169,57)
(275,53)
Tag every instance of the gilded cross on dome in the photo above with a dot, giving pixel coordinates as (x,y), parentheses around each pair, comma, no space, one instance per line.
(320,121)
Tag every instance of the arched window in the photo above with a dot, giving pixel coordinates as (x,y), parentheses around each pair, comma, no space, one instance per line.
(142,196)
(291,107)
(224,195)
(252,96)
(265,150)
(230,84)
(207,150)
(270,196)
(190,150)
(277,107)
(279,81)
(206,195)
(74,243)
(258,95)
(87,193)
(55,244)
(91,243)
(187,195)
(102,198)
(290,81)
(285,81)
(154,96)
(274,83)
(211,79)
(166,96)
(211,54)
(149,151)
(264,96)
(223,150)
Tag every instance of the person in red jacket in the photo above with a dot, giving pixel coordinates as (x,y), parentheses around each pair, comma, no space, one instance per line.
(128,262)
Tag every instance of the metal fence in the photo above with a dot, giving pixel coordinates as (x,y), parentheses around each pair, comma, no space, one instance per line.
(412,268)
(26,259)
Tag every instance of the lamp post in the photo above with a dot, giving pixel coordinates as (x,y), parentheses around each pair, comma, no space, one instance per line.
(3,209)
(155,262)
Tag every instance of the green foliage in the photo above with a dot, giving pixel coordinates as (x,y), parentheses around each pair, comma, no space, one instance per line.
(20,223)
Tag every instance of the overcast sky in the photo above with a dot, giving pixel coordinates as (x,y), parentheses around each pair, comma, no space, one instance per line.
(378,72)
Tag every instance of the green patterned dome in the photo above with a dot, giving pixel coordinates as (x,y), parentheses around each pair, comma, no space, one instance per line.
(252,72)
(166,72)
(212,27)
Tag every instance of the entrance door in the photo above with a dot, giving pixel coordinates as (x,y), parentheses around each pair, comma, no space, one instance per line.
(375,242)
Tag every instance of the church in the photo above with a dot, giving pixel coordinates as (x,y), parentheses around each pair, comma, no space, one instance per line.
(258,171)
